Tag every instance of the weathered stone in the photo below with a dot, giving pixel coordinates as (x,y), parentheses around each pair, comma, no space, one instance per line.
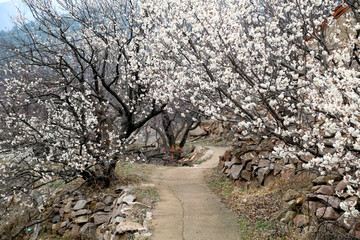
(288,217)
(100,217)
(278,168)
(312,206)
(74,231)
(261,173)
(348,224)
(327,213)
(248,157)
(248,167)
(108,200)
(81,219)
(301,220)
(300,200)
(331,200)
(56,219)
(129,199)
(129,227)
(207,155)
(235,160)
(246,175)
(197,132)
(264,163)
(228,164)
(291,194)
(80,212)
(80,204)
(119,220)
(235,171)
(326,190)
(292,204)
(89,229)
(99,206)
(92,205)
(341,186)
(68,207)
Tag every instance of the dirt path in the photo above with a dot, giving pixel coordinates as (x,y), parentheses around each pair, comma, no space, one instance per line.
(188,210)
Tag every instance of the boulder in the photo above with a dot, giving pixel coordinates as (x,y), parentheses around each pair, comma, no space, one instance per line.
(101,217)
(261,174)
(68,207)
(290,195)
(197,132)
(325,190)
(327,213)
(341,186)
(129,227)
(235,171)
(80,204)
(129,199)
(108,200)
(100,206)
(264,163)
(246,175)
(81,219)
(288,172)
(88,229)
(312,206)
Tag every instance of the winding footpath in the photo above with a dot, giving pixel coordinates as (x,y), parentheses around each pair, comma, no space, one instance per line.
(187,209)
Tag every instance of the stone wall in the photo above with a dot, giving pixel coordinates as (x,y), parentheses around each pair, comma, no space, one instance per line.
(250,164)
(105,217)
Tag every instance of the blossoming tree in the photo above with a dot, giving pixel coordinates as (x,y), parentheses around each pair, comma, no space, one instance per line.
(280,67)
(74,94)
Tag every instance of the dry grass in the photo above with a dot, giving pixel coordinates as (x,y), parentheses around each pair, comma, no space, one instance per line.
(259,209)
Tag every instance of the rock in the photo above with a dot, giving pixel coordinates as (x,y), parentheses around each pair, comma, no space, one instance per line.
(68,207)
(292,204)
(291,194)
(235,171)
(81,212)
(341,186)
(197,132)
(301,220)
(228,164)
(101,217)
(119,220)
(312,206)
(278,167)
(208,154)
(246,175)
(326,190)
(263,163)
(327,213)
(247,157)
(331,200)
(81,219)
(88,228)
(300,200)
(288,217)
(261,173)
(129,199)
(108,200)
(64,224)
(74,231)
(80,204)
(187,150)
(348,224)
(129,227)
(56,219)
(99,206)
